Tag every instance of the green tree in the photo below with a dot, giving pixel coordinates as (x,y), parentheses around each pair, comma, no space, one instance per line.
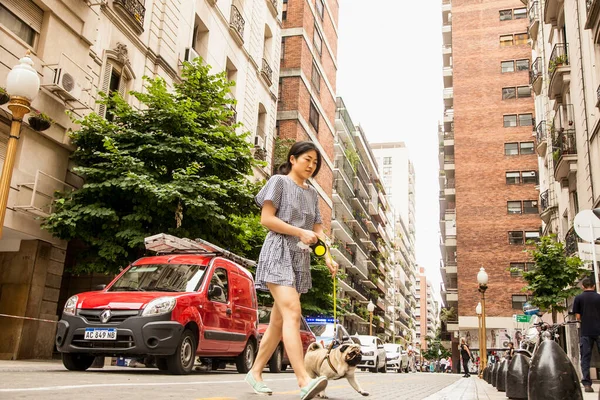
(435,350)
(552,280)
(173,165)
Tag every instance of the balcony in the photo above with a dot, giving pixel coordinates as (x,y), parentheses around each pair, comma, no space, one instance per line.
(447,30)
(448,162)
(341,229)
(266,72)
(272,4)
(446,5)
(342,251)
(535,75)
(534,20)
(547,206)
(552,11)
(355,289)
(342,195)
(343,165)
(448,97)
(362,228)
(450,188)
(447,49)
(232,120)
(571,240)
(593,18)
(559,70)
(452,296)
(564,153)
(449,115)
(36,197)
(236,25)
(133,11)
(541,135)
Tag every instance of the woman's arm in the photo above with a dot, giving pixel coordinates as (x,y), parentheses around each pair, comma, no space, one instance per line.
(270,221)
(331,264)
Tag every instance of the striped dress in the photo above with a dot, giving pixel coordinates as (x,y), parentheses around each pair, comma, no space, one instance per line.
(281,261)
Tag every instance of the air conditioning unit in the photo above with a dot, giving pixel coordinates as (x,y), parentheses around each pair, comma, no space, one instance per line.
(259,142)
(62,83)
(190,54)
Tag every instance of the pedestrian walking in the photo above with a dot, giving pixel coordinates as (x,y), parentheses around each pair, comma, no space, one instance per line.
(586,308)
(290,210)
(465,354)
(411,358)
(443,363)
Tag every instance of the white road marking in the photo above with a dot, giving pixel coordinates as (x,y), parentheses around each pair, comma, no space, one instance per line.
(105,385)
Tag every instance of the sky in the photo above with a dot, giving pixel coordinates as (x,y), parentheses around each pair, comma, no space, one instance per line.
(390,77)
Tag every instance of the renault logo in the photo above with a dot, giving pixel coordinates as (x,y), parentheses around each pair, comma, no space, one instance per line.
(105,316)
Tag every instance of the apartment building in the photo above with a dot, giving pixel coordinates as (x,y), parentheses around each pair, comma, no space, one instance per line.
(427,310)
(307,84)
(488,166)
(362,232)
(108,46)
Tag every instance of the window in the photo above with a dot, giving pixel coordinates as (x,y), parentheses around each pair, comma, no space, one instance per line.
(387,160)
(514,207)
(517,269)
(529,266)
(515,237)
(284,14)
(509,93)
(525,120)
(523,91)
(505,15)
(521,38)
(533,236)
(526,147)
(282,54)
(313,118)
(529,177)
(320,8)
(507,66)
(218,289)
(513,178)
(511,149)
(510,121)
(387,170)
(530,207)
(518,301)
(520,13)
(316,77)
(506,40)
(522,65)
(18,26)
(112,81)
(318,41)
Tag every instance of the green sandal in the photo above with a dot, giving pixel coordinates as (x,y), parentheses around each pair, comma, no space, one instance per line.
(258,387)
(314,387)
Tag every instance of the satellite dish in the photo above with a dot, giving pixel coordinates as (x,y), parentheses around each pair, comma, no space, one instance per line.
(587,225)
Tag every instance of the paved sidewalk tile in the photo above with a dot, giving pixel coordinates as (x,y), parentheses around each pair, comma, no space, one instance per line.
(474,388)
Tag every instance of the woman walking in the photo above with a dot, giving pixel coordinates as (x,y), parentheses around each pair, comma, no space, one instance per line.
(290,210)
(465,354)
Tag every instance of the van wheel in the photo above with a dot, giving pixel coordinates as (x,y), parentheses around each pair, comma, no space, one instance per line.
(383,369)
(182,362)
(284,367)
(76,361)
(276,361)
(245,359)
(161,364)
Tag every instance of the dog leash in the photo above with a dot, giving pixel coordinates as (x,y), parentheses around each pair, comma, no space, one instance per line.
(334,320)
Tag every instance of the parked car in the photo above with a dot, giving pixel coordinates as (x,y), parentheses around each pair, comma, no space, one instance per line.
(396,357)
(279,360)
(172,306)
(373,353)
(323,328)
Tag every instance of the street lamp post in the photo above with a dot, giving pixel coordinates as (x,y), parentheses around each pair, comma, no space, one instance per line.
(478,312)
(370,309)
(392,310)
(482,279)
(22,84)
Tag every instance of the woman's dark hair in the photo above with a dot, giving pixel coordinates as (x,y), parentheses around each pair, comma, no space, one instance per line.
(297,150)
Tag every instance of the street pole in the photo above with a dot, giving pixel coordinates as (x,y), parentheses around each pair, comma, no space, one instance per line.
(371,323)
(593,244)
(482,279)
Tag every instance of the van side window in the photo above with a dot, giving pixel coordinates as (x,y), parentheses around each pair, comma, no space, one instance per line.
(218,290)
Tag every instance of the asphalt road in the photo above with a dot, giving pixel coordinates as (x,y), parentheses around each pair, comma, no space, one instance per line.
(49,380)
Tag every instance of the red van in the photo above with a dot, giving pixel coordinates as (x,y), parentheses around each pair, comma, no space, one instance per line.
(193,299)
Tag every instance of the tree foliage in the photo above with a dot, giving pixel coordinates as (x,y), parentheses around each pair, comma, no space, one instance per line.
(554,276)
(435,349)
(175,165)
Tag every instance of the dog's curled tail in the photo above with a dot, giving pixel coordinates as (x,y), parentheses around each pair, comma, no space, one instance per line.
(314,346)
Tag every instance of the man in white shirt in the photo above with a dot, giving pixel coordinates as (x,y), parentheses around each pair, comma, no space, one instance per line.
(443,364)
(411,358)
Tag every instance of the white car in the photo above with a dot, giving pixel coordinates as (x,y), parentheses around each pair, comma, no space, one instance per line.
(396,357)
(373,353)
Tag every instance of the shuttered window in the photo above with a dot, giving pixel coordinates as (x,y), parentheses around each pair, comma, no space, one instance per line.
(23,18)
(112,80)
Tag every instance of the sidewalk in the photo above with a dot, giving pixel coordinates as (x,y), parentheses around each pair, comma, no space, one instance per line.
(474,388)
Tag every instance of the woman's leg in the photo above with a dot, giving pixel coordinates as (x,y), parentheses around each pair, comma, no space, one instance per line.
(288,302)
(466,366)
(269,342)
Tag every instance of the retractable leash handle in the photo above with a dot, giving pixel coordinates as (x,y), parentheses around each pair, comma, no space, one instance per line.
(319,248)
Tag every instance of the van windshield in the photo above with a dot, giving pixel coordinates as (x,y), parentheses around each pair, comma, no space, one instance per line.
(160,278)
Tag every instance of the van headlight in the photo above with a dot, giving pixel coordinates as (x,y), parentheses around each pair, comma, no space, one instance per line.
(159,306)
(70,306)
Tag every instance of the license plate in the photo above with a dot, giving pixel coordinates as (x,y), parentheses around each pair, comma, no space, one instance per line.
(100,334)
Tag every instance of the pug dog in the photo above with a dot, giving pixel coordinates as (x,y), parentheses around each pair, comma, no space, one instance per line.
(341,364)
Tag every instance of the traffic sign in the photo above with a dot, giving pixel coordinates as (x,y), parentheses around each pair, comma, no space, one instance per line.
(523,318)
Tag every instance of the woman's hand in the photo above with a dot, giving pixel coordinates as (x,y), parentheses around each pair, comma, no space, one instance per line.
(332,265)
(308,237)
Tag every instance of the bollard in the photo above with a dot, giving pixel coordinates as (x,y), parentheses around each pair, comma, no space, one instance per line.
(551,374)
(494,373)
(486,370)
(501,379)
(516,376)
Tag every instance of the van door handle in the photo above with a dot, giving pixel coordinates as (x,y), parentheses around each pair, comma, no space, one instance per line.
(228,312)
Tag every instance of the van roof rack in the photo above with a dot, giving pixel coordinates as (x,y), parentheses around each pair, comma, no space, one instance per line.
(165,244)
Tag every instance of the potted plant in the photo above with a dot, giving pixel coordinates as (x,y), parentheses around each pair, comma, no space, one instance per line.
(39,121)
(4,96)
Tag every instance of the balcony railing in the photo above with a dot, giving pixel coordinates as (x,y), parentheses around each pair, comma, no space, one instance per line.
(450,184)
(558,57)
(133,9)
(571,240)
(563,144)
(342,190)
(362,223)
(544,201)
(449,159)
(267,72)
(233,118)
(533,13)
(343,164)
(598,97)
(536,70)
(540,132)
(564,118)
(237,22)
(344,249)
